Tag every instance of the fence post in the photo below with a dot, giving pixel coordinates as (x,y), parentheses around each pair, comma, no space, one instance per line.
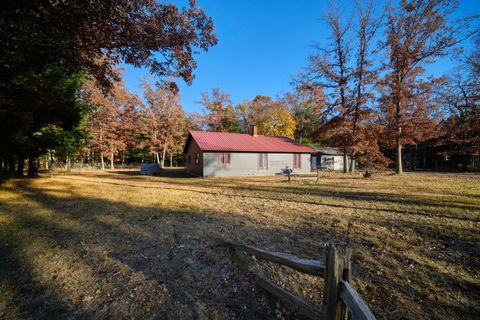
(337,268)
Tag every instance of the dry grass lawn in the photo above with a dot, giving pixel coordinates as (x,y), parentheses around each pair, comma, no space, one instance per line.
(118,246)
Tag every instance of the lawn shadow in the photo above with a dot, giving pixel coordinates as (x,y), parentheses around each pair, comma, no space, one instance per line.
(180,185)
(167,258)
(171,255)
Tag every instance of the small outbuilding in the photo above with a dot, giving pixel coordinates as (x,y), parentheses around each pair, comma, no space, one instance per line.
(329,158)
(236,154)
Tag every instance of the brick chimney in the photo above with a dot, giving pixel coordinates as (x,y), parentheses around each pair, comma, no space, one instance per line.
(253,131)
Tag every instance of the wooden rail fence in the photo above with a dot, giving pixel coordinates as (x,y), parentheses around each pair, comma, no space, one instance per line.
(339,297)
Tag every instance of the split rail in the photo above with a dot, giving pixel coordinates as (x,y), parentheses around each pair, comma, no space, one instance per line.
(339,296)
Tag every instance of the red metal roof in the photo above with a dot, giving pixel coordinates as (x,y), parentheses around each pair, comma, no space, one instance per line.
(226,141)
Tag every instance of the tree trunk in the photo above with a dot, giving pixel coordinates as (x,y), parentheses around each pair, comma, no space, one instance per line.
(102,160)
(67,163)
(32,167)
(11,166)
(345,162)
(164,152)
(352,162)
(112,167)
(398,159)
(414,161)
(398,154)
(157,155)
(171,160)
(20,167)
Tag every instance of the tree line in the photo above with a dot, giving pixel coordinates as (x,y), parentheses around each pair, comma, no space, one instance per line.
(366,89)
(380,96)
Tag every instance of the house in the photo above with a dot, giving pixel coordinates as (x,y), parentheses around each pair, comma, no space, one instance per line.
(329,158)
(236,154)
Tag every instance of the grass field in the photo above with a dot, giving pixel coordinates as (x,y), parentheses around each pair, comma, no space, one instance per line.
(118,246)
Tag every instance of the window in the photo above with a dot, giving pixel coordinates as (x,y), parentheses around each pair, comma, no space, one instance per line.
(224,158)
(197,158)
(262,161)
(297,161)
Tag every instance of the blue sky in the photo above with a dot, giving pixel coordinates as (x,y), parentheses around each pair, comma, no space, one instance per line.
(262,44)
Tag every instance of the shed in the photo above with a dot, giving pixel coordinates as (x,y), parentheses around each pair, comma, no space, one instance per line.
(329,158)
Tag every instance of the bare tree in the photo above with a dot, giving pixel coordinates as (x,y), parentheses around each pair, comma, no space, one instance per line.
(364,76)
(330,70)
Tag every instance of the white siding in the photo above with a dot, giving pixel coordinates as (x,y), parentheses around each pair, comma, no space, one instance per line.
(330,162)
(246,164)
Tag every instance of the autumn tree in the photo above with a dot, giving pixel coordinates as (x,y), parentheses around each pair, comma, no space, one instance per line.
(364,78)
(271,117)
(329,69)
(194,121)
(48,46)
(111,119)
(163,121)
(417,32)
(220,113)
(368,151)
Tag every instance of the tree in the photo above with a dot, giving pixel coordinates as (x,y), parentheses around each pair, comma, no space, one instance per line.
(163,121)
(41,100)
(307,108)
(367,149)
(270,117)
(460,97)
(220,113)
(416,33)
(48,46)
(94,35)
(364,76)
(329,69)
(110,120)
(194,121)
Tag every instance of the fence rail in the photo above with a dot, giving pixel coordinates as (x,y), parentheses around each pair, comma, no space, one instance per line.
(313,267)
(339,296)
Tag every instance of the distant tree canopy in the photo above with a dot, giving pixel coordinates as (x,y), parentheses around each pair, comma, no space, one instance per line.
(271,117)
(48,48)
(307,108)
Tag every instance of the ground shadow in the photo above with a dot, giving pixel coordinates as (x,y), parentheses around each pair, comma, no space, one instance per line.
(164,262)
